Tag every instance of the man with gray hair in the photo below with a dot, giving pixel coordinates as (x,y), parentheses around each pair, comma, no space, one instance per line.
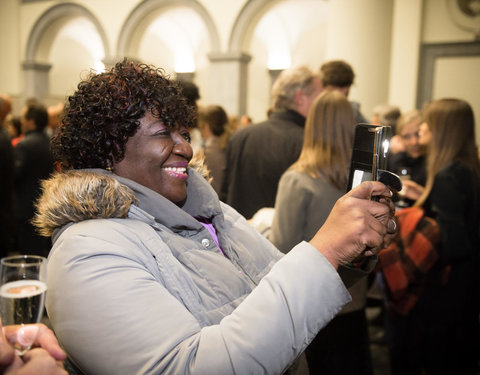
(257,155)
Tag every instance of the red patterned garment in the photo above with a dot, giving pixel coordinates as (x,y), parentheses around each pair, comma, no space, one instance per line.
(407,260)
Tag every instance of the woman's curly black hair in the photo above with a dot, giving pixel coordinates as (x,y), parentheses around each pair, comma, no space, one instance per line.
(105,110)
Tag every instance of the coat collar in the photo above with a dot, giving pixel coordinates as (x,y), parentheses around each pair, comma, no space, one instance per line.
(201,201)
(288,115)
(78,195)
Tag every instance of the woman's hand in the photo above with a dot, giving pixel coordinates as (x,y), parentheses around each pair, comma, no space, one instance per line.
(46,358)
(411,190)
(357,225)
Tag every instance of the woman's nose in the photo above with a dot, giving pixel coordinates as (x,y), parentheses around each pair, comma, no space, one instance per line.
(181,145)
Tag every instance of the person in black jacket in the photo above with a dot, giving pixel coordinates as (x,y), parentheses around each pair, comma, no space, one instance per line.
(33,163)
(440,334)
(257,155)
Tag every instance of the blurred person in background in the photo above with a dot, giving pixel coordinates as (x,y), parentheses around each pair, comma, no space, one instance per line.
(212,122)
(388,115)
(55,113)
(410,164)
(245,120)
(258,154)
(13,125)
(33,163)
(440,334)
(6,184)
(339,75)
(192,93)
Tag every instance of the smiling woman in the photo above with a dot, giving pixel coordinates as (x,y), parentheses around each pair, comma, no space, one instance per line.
(157,157)
(151,274)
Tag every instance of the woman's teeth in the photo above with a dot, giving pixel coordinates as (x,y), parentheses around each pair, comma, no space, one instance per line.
(177,170)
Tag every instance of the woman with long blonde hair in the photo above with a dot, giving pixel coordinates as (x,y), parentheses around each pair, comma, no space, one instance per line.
(307,192)
(440,335)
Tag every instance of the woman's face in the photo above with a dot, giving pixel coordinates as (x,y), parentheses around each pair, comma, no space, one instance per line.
(410,137)
(424,134)
(157,157)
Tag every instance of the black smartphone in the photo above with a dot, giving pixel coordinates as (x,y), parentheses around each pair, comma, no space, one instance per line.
(369,157)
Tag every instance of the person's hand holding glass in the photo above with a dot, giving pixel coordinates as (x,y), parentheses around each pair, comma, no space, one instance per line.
(410,189)
(22,296)
(404,174)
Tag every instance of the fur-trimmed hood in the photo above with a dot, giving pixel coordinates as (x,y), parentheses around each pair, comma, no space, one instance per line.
(75,195)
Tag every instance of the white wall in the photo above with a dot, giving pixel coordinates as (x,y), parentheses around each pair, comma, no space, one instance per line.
(405,50)
(283,39)
(453,78)
(457,77)
(443,23)
(9,40)
(360,33)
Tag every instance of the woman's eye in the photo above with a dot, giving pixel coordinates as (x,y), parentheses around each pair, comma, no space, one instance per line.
(187,137)
(163,132)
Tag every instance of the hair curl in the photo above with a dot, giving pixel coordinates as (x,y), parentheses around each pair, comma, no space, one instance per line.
(105,111)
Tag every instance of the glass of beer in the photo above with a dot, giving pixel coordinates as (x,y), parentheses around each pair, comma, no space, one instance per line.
(23,283)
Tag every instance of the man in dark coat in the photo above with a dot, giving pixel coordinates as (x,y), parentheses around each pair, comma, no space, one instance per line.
(257,155)
(33,163)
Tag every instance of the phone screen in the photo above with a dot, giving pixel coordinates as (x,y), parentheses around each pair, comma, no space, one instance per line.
(369,153)
(359,176)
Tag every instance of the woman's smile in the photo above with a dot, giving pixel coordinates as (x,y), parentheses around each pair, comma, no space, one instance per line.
(179,172)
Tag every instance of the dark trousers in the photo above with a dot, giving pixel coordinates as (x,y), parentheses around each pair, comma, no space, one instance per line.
(422,342)
(342,347)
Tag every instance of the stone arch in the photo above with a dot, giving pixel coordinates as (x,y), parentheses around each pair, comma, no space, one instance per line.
(146,7)
(245,23)
(36,66)
(55,17)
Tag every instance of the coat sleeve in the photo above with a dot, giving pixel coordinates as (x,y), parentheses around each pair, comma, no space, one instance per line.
(114,316)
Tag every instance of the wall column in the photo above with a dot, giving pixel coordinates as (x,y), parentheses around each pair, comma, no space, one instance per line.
(403,64)
(36,80)
(229,68)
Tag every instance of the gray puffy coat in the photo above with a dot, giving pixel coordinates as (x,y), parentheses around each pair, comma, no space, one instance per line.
(136,285)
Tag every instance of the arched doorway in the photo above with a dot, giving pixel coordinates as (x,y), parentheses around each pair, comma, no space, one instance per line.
(65,40)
